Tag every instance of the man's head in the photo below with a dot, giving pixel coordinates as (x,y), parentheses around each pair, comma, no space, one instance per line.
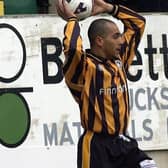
(105,37)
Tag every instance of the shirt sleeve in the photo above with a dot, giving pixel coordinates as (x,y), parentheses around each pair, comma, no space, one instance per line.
(74,63)
(134,25)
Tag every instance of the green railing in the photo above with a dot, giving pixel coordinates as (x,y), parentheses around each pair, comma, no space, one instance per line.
(20,6)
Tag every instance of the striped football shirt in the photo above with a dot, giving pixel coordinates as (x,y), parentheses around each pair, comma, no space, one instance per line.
(99,85)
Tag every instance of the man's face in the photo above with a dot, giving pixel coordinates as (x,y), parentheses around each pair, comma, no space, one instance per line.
(113,41)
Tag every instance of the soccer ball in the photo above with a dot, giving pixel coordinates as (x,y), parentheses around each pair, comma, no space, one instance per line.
(82,8)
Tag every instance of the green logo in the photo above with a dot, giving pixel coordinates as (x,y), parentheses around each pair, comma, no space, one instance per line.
(14,119)
(14,111)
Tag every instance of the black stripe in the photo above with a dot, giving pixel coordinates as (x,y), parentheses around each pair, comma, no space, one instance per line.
(115,107)
(125,97)
(64,42)
(115,104)
(72,47)
(129,52)
(79,153)
(91,109)
(65,28)
(132,13)
(127,106)
(135,36)
(100,97)
(123,49)
(75,93)
(137,33)
(79,70)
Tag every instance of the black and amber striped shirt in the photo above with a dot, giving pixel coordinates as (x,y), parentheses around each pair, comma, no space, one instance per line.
(99,85)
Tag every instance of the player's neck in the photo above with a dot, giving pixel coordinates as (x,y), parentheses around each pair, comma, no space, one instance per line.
(98,52)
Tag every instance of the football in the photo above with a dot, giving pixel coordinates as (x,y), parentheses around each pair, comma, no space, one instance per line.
(82,8)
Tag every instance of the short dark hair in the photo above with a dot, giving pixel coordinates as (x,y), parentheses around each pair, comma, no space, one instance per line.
(98,28)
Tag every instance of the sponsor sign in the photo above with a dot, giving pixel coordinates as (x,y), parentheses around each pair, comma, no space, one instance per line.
(39,117)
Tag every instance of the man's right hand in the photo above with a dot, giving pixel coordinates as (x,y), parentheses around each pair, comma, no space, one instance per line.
(63,10)
(100,6)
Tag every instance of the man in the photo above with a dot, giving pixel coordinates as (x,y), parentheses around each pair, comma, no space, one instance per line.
(97,81)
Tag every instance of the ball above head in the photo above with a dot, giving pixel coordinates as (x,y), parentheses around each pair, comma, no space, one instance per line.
(82,8)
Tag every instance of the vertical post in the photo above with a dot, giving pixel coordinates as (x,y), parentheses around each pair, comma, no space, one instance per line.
(1,7)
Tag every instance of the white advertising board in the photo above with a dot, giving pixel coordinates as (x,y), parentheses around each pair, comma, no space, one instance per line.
(30,60)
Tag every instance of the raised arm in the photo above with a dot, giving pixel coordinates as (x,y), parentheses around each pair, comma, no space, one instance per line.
(133,27)
(74,55)
(74,64)
(133,30)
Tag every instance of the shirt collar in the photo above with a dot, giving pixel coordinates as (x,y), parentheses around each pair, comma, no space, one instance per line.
(95,57)
(99,58)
